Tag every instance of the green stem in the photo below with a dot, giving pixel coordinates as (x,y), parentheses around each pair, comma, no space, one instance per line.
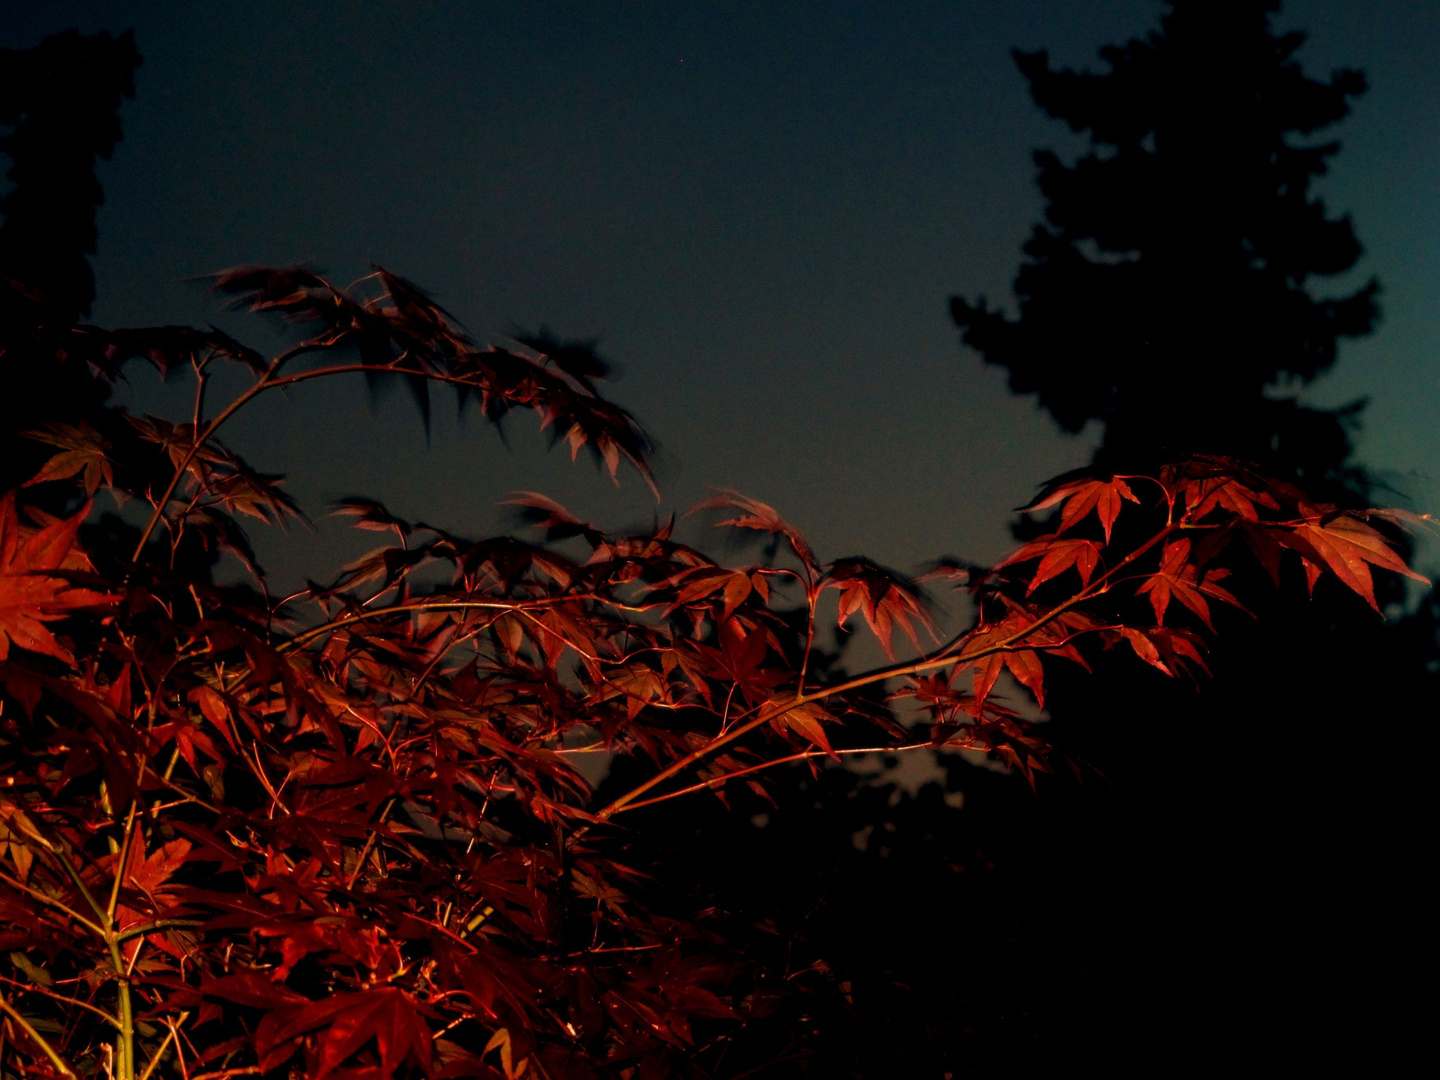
(76,1002)
(49,1051)
(122,856)
(75,879)
(126,1049)
(155,1060)
(49,901)
(125,1041)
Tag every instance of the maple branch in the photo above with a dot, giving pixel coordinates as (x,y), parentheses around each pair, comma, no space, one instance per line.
(720,781)
(765,716)
(945,658)
(120,864)
(28,1028)
(122,974)
(185,796)
(60,851)
(265,382)
(809,637)
(352,369)
(560,637)
(439,656)
(369,842)
(427,605)
(50,901)
(225,1074)
(201,377)
(179,1050)
(127,1019)
(38,989)
(259,771)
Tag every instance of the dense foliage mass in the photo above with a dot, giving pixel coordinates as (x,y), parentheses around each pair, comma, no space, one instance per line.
(342,834)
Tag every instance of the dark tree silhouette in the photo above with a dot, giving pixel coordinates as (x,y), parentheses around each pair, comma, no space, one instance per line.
(59,106)
(61,101)
(1246,865)
(1176,261)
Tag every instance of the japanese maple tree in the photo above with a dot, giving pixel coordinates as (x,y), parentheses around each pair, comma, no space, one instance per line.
(342,834)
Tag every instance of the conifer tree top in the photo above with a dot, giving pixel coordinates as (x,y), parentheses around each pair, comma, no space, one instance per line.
(1170,284)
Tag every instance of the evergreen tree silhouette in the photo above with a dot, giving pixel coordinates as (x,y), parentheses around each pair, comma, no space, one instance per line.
(61,102)
(59,114)
(1246,865)
(1170,284)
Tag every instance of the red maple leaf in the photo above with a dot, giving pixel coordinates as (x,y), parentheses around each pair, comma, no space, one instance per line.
(1056,556)
(1180,579)
(805,721)
(30,594)
(1082,496)
(1346,545)
(348,1021)
(885,599)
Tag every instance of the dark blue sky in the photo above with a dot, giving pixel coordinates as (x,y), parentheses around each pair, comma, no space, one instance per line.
(759,208)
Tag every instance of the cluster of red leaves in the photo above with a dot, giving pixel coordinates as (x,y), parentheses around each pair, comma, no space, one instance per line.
(344,836)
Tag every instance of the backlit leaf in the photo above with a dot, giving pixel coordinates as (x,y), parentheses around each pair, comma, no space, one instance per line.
(1349,547)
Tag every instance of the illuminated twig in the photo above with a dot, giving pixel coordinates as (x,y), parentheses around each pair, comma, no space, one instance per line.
(716,782)
(426,605)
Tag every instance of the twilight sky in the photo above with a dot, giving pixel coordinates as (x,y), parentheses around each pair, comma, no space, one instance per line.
(760,209)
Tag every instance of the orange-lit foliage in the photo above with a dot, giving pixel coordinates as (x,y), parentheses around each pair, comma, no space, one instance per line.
(342,834)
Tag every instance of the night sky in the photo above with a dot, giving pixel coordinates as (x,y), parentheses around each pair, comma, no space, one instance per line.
(759,209)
